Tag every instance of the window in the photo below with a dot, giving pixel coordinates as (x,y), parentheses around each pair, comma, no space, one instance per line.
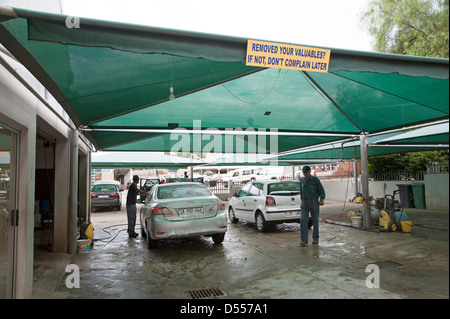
(244,190)
(150,195)
(255,189)
(288,188)
(183,191)
(104,188)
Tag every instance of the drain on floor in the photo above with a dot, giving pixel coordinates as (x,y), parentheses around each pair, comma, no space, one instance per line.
(206,293)
(387,264)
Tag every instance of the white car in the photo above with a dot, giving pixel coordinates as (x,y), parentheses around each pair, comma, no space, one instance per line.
(265,202)
(270,173)
(240,175)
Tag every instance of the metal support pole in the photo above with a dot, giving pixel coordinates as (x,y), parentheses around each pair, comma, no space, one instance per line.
(367,218)
(355,176)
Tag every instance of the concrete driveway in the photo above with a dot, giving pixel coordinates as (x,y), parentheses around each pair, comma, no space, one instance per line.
(253,265)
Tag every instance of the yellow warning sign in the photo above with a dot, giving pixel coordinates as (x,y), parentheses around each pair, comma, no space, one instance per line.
(287,56)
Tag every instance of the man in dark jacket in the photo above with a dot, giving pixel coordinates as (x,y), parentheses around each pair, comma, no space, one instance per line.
(313,195)
(131,206)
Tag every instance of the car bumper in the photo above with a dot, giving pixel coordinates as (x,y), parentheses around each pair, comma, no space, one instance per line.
(104,203)
(160,228)
(283,216)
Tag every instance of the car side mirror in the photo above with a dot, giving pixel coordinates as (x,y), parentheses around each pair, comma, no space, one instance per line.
(235,195)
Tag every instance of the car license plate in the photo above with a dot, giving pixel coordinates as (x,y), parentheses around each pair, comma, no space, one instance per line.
(103,196)
(293,213)
(194,210)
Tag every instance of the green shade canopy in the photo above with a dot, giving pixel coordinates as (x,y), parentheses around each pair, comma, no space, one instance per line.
(433,137)
(113,80)
(140,160)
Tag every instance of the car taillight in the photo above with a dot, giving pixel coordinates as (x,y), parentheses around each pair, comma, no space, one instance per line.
(94,196)
(216,207)
(114,196)
(270,201)
(161,211)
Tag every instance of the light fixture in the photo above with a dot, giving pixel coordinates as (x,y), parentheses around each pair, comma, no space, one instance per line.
(171,95)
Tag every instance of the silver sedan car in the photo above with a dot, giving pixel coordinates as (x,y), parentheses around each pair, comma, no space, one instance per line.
(106,194)
(180,210)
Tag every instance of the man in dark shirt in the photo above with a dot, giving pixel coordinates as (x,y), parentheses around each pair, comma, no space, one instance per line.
(313,195)
(131,205)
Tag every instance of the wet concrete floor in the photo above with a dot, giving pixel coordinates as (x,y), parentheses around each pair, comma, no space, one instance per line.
(253,265)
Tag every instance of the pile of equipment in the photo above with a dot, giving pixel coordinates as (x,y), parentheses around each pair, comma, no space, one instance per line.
(387,213)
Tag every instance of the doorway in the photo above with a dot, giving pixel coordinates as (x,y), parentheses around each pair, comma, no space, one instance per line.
(8,210)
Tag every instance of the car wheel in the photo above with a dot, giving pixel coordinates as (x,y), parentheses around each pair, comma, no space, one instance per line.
(231,215)
(143,234)
(151,243)
(218,238)
(261,222)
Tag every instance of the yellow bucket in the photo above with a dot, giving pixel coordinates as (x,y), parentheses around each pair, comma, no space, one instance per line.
(406,226)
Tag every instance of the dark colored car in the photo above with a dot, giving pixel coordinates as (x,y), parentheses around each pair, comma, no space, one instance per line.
(106,195)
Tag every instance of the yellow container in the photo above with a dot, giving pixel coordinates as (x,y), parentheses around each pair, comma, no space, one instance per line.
(406,226)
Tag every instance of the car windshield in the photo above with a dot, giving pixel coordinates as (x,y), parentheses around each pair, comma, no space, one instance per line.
(103,188)
(183,191)
(287,187)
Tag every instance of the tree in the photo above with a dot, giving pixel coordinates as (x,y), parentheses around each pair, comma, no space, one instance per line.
(412,27)
(409,162)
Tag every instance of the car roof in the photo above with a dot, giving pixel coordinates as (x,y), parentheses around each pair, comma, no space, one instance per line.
(270,181)
(180,183)
(273,181)
(107,182)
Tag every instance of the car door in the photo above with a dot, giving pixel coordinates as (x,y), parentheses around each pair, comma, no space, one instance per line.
(251,200)
(146,206)
(239,206)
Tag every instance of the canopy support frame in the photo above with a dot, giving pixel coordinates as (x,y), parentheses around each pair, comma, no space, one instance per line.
(367,218)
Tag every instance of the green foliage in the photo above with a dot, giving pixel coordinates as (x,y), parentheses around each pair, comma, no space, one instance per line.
(410,162)
(412,27)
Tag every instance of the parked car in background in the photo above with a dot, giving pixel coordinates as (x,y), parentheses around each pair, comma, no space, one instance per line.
(106,194)
(275,172)
(184,209)
(266,202)
(239,175)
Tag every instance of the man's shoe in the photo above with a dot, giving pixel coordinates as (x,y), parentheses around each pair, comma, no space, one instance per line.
(303,244)
(315,242)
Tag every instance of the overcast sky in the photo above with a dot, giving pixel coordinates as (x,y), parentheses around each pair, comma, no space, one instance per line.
(329,23)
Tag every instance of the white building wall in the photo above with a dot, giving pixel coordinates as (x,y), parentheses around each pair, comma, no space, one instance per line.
(26,106)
